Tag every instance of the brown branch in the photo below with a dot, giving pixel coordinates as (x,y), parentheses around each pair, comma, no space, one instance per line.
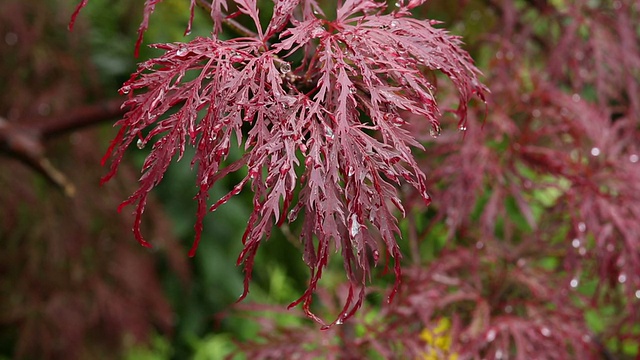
(23,139)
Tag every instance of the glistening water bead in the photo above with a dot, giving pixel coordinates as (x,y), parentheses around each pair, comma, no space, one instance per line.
(285,68)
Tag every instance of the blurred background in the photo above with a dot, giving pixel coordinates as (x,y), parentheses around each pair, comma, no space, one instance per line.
(514,250)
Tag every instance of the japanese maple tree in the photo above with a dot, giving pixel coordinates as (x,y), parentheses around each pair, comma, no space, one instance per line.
(319,104)
(538,204)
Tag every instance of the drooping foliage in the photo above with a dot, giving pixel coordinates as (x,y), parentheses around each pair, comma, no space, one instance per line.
(320,108)
(539,203)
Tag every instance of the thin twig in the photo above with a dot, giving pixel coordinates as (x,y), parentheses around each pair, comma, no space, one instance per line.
(230,23)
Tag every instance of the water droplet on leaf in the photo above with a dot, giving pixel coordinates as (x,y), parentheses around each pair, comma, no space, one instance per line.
(575,97)
(317,32)
(462,127)
(125,89)
(622,278)
(182,51)
(575,243)
(236,58)
(545,332)
(284,169)
(634,158)
(328,133)
(582,227)
(638,294)
(140,144)
(376,256)
(574,283)
(595,151)
(11,38)
(491,335)
(355,225)
(435,130)
(285,67)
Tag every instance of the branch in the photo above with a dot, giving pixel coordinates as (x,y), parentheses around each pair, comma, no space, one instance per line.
(23,139)
(230,23)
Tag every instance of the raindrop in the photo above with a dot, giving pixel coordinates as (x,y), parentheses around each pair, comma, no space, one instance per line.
(426,198)
(586,338)
(595,151)
(188,32)
(352,89)
(479,245)
(575,243)
(339,321)
(316,12)
(376,256)
(253,173)
(574,283)
(575,97)
(545,332)
(491,335)
(536,113)
(284,169)
(462,127)
(622,278)
(398,4)
(236,58)
(634,158)
(351,171)
(328,133)
(435,130)
(317,32)
(499,354)
(125,89)
(638,294)
(582,251)
(508,309)
(582,227)
(11,38)
(393,24)
(355,225)
(285,68)
(182,51)
(140,144)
